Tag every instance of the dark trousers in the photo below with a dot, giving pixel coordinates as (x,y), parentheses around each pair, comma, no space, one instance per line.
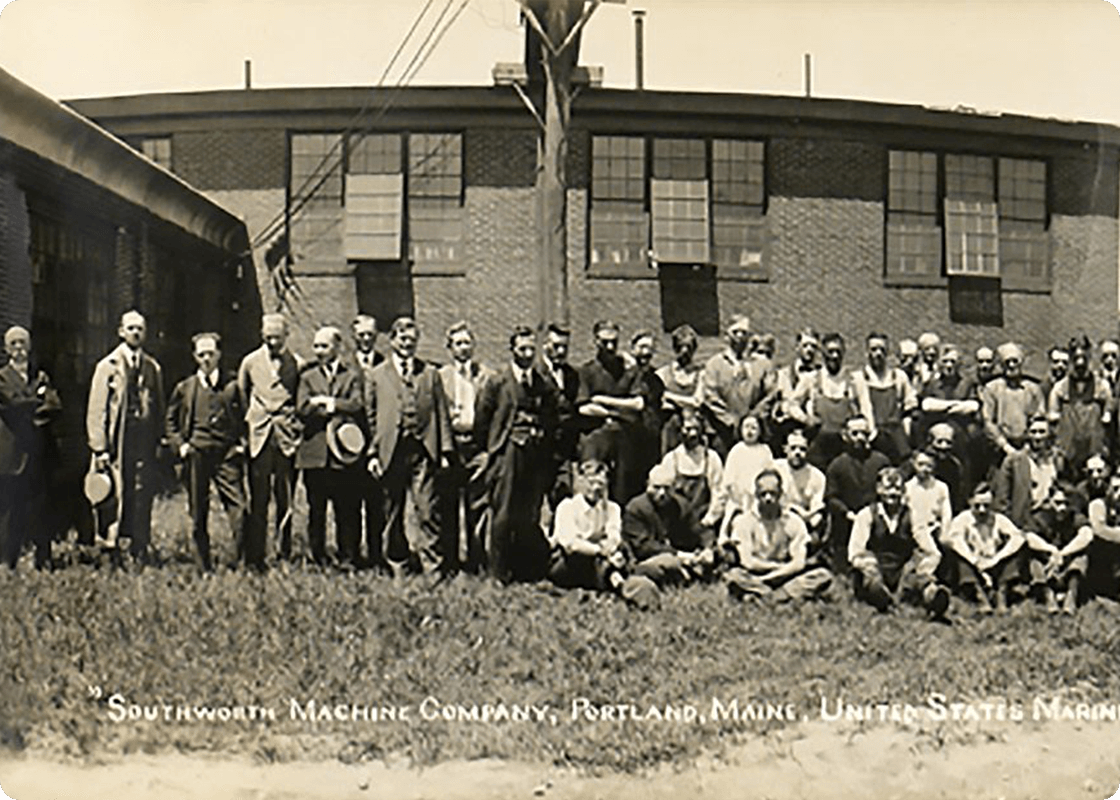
(271,473)
(340,488)
(463,510)
(518,548)
(412,544)
(138,477)
(226,471)
(615,445)
(21,519)
(371,506)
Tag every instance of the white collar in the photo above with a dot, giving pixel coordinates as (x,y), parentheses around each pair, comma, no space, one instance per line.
(209,378)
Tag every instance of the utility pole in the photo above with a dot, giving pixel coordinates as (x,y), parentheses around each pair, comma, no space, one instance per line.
(558,24)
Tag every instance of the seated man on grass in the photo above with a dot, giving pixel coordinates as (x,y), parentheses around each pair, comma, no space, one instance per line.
(664,547)
(1058,537)
(767,546)
(893,556)
(1104,551)
(988,549)
(803,487)
(587,534)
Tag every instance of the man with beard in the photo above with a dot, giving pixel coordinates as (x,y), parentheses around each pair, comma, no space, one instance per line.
(886,399)
(893,558)
(1081,406)
(655,529)
(1009,401)
(610,402)
(515,422)
(832,400)
(734,384)
(767,547)
(28,403)
(124,424)
(267,380)
(849,486)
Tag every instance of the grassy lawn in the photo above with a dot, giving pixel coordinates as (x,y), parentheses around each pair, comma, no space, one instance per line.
(168,636)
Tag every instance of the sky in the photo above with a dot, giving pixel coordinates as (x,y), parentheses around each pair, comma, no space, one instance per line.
(1047,58)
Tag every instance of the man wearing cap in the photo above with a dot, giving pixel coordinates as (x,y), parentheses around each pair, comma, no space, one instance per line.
(734,384)
(410,440)
(124,424)
(28,403)
(767,547)
(1009,401)
(515,423)
(371,505)
(663,545)
(464,498)
(329,402)
(267,380)
(610,403)
(205,426)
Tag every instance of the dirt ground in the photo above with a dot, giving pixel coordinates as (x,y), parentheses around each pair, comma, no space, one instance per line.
(1057,760)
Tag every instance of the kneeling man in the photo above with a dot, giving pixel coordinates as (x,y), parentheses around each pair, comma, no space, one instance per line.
(767,547)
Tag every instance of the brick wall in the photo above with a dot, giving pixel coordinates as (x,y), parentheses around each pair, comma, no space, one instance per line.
(15,277)
(243,159)
(500,157)
(256,208)
(826,168)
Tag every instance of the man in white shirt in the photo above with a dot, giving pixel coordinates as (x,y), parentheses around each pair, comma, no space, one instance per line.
(767,548)
(989,550)
(587,534)
(893,557)
(804,486)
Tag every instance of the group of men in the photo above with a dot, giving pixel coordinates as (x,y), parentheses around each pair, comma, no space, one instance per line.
(909,478)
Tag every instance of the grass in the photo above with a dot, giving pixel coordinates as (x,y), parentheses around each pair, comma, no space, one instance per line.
(170,636)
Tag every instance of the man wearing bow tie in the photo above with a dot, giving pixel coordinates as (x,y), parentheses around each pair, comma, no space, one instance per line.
(28,402)
(516,421)
(206,428)
(464,498)
(124,423)
(267,380)
(411,439)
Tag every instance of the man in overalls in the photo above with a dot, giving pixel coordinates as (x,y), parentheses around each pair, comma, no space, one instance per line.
(887,399)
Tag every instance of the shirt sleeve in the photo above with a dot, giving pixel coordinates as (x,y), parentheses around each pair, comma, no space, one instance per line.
(565,529)
(858,554)
(614,527)
(929,555)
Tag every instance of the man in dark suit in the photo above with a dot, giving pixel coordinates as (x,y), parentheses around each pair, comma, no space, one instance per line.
(329,389)
(27,404)
(206,429)
(267,381)
(411,439)
(370,500)
(124,424)
(515,421)
(562,379)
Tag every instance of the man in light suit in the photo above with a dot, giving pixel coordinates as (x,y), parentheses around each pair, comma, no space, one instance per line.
(206,428)
(411,440)
(124,422)
(28,402)
(267,381)
(463,495)
(330,389)
(516,423)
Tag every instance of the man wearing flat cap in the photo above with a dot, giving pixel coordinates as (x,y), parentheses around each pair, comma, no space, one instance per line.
(206,428)
(329,403)
(28,402)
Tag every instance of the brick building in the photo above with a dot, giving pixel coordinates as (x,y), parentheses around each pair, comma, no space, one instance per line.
(842,215)
(90,229)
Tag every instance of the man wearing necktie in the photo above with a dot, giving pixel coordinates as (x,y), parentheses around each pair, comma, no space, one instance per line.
(206,428)
(516,422)
(267,381)
(327,389)
(28,402)
(370,501)
(411,439)
(463,497)
(124,423)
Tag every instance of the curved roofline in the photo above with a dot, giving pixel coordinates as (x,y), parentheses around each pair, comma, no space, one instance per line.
(60,135)
(608,101)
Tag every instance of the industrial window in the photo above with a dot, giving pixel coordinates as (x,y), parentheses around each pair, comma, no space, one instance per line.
(1024,245)
(374,154)
(618,168)
(435,165)
(158,149)
(738,193)
(913,230)
(435,212)
(315,212)
(971,238)
(969,178)
(619,223)
(680,159)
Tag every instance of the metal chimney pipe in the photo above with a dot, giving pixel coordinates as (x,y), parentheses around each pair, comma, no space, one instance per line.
(248,73)
(808,74)
(639,48)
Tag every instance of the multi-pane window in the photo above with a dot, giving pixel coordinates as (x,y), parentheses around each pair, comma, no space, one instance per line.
(679,201)
(680,159)
(374,154)
(738,192)
(435,165)
(158,149)
(618,168)
(988,216)
(374,202)
(316,224)
(435,213)
(619,223)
